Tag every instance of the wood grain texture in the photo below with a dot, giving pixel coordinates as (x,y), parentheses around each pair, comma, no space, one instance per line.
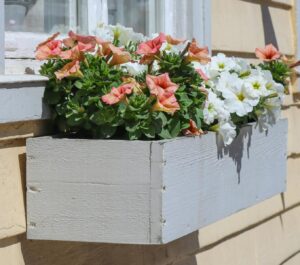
(147,192)
(206,182)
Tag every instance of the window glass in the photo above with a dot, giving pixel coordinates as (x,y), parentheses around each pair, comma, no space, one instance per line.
(44,16)
(130,13)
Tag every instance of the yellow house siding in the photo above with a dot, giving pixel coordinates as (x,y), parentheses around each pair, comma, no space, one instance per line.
(241,26)
(266,234)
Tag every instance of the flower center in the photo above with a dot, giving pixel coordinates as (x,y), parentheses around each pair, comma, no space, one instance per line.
(256,85)
(240,96)
(221,65)
(210,107)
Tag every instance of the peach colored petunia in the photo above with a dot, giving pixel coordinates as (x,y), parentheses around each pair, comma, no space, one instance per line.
(119,56)
(53,37)
(48,49)
(104,49)
(267,53)
(72,54)
(174,41)
(74,39)
(192,130)
(71,69)
(202,74)
(160,84)
(150,48)
(197,53)
(118,94)
(166,102)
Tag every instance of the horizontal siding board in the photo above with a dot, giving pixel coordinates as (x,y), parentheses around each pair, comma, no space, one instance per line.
(242,26)
(12,217)
(271,242)
(292,114)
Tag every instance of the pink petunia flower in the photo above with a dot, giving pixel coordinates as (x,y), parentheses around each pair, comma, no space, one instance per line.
(48,49)
(166,102)
(150,48)
(197,53)
(118,94)
(71,69)
(87,43)
(267,53)
(174,41)
(160,84)
(119,56)
(164,89)
(192,130)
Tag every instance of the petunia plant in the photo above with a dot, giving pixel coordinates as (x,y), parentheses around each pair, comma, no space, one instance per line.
(121,84)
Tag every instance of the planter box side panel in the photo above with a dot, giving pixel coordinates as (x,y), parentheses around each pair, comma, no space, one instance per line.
(89,190)
(205,182)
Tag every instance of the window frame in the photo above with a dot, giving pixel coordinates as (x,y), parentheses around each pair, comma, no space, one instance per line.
(160,19)
(2,37)
(297,17)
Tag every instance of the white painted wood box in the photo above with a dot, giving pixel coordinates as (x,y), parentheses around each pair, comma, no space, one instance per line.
(148,192)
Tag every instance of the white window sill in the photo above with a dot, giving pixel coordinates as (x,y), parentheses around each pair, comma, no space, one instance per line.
(18,78)
(21,98)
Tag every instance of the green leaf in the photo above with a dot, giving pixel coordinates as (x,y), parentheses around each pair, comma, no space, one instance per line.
(78,84)
(165,134)
(107,131)
(105,115)
(75,120)
(149,132)
(174,127)
(199,117)
(52,97)
(134,135)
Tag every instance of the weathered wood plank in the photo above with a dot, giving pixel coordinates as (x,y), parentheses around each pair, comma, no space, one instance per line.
(21,98)
(147,192)
(206,182)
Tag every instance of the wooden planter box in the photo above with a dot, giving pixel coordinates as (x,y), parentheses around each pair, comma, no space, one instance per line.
(148,192)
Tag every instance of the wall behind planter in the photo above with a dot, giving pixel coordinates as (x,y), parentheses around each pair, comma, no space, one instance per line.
(268,233)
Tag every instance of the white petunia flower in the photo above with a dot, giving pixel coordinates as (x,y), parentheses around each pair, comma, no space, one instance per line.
(228,131)
(272,109)
(272,86)
(125,35)
(170,48)
(214,109)
(134,69)
(237,98)
(255,84)
(220,63)
(242,67)
(155,65)
(104,32)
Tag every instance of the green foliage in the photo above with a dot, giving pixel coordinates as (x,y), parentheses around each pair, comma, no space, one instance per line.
(280,71)
(79,110)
